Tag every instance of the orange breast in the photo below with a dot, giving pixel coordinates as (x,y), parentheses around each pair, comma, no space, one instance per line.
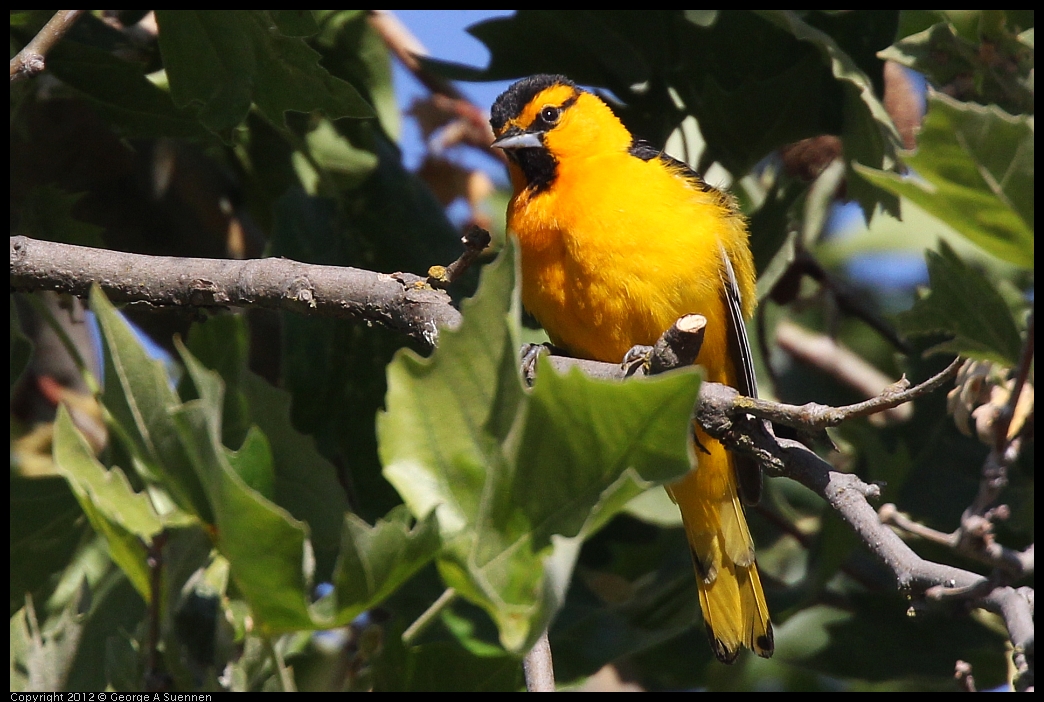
(604,270)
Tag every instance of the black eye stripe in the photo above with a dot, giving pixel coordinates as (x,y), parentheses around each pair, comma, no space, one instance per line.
(549,115)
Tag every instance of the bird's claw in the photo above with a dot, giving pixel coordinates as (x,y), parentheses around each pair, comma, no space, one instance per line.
(636,357)
(531,353)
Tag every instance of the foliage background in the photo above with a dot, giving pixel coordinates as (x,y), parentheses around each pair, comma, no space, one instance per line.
(224,525)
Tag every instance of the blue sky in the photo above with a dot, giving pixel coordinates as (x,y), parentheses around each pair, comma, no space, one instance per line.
(443,33)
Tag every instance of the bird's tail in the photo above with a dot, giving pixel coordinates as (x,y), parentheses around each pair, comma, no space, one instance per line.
(733,603)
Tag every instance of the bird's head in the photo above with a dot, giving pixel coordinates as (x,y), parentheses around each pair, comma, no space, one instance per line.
(544,120)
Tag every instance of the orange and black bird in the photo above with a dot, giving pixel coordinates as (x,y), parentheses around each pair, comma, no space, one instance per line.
(619,240)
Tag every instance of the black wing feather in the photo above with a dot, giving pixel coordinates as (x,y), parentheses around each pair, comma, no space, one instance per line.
(748,472)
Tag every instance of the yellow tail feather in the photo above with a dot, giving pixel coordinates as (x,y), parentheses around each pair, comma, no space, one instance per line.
(731,597)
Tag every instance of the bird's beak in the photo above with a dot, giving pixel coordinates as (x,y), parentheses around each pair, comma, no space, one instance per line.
(515,139)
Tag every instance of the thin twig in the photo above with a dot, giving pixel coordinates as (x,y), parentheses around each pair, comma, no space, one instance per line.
(815,417)
(890,514)
(30,60)
(825,353)
(428,617)
(476,241)
(962,673)
(810,417)
(974,538)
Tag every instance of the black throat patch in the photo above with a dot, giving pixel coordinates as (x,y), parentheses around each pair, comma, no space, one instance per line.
(539,167)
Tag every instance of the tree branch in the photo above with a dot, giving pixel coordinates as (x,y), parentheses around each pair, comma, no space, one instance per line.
(476,241)
(815,417)
(30,60)
(825,353)
(539,671)
(724,414)
(400,301)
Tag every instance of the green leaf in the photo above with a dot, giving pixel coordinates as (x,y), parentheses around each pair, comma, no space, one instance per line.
(376,560)
(108,490)
(70,653)
(122,93)
(335,370)
(46,528)
(995,68)
(887,643)
(48,656)
(46,213)
(605,442)
(373,562)
(125,518)
(224,60)
(354,51)
(443,666)
(306,483)
(263,543)
(294,23)
(21,347)
(640,588)
(591,47)
(267,549)
(253,463)
(141,403)
(115,612)
(221,342)
(869,135)
(961,302)
(336,155)
(509,473)
(178,446)
(974,169)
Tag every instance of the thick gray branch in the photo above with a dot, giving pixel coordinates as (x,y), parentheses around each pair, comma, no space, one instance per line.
(722,412)
(400,301)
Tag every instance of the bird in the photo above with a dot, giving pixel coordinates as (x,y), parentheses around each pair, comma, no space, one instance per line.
(617,241)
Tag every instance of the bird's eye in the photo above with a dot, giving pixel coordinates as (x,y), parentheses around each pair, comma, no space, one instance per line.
(550,114)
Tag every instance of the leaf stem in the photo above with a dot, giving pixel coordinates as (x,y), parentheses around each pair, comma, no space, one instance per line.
(424,621)
(540,673)
(286,679)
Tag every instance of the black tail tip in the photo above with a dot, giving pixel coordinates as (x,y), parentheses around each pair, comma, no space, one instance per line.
(763,645)
(722,652)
